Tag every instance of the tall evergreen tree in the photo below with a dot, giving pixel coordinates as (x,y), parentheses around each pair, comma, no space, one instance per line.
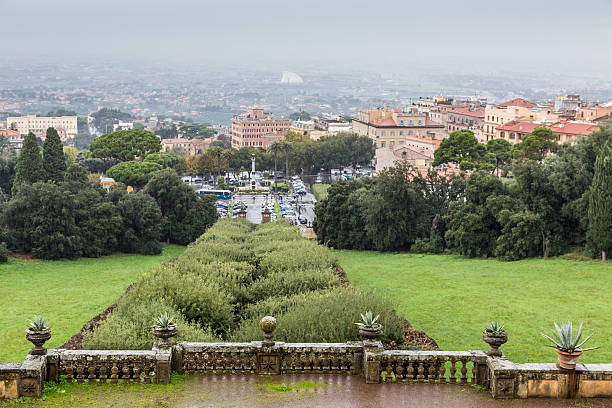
(29,165)
(54,161)
(600,202)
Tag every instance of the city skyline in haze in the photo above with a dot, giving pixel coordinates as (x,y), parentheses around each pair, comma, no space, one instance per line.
(559,37)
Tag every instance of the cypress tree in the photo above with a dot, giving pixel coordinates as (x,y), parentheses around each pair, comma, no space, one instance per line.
(54,161)
(600,202)
(29,167)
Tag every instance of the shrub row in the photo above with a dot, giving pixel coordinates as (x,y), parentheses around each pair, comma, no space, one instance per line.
(235,274)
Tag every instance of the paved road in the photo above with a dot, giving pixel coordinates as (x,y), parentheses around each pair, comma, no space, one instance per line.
(254,206)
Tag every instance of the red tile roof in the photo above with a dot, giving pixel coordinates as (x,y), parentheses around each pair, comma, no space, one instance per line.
(519,126)
(572,128)
(386,122)
(8,132)
(478,113)
(518,102)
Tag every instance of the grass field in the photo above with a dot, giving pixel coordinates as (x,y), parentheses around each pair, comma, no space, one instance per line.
(453,298)
(320,191)
(68,293)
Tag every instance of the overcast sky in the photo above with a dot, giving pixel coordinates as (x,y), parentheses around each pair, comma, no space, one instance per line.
(570,37)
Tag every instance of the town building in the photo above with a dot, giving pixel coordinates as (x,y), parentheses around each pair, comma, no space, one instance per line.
(307,128)
(15,139)
(595,112)
(185,147)
(566,131)
(123,126)
(257,128)
(392,128)
(464,117)
(66,126)
(567,105)
(515,110)
(416,158)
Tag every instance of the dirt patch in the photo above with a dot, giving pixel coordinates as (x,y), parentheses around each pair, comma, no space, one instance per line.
(341,274)
(76,342)
(27,257)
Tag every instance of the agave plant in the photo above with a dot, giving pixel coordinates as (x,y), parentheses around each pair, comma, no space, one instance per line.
(565,340)
(38,323)
(164,321)
(495,329)
(368,320)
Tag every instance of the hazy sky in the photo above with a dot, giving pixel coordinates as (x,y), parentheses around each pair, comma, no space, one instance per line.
(557,36)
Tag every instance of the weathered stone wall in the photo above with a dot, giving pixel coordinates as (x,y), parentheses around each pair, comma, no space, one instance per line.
(512,380)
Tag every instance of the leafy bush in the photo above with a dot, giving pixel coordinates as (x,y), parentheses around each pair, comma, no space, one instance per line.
(235,274)
(327,316)
(129,327)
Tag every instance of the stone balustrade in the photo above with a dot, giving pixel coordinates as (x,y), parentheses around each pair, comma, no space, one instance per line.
(502,377)
(114,366)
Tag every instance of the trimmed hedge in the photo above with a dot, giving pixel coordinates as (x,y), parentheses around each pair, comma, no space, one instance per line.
(233,275)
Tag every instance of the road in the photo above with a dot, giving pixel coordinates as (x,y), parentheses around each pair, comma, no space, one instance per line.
(306,206)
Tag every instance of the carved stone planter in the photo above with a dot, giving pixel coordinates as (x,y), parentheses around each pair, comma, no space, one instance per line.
(567,360)
(494,342)
(164,334)
(371,334)
(38,338)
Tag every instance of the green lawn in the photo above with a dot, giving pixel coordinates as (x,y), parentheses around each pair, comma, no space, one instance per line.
(320,191)
(68,293)
(452,298)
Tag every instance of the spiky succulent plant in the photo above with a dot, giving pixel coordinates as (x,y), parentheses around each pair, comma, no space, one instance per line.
(38,323)
(495,329)
(564,339)
(368,320)
(164,321)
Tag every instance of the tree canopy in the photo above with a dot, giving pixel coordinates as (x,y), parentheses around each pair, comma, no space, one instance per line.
(29,167)
(463,148)
(600,202)
(125,145)
(134,173)
(54,161)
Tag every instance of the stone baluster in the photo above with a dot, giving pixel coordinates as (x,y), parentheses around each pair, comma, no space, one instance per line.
(91,372)
(80,370)
(308,363)
(420,372)
(136,372)
(325,360)
(474,379)
(453,371)
(442,371)
(400,370)
(431,371)
(463,378)
(388,367)
(103,372)
(125,373)
(146,371)
(114,373)
(409,371)
(335,363)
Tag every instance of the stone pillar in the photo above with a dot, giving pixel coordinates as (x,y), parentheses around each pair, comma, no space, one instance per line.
(163,358)
(52,373)
(177,359)
(31,376)
(268,357)
(371,362)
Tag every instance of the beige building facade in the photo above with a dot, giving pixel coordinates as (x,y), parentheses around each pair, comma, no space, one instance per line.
(395,128)
(514,110)
(66,126)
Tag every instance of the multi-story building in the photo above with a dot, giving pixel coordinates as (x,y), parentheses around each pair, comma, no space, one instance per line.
(66,126)
(391,128)
(515,110)
(186,147)
(256,128)
(566,131)
(595,112)
(15,139)
(465,118)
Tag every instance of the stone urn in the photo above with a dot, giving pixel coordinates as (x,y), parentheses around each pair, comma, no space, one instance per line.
(371,334)
(494,342)
(38,338)
(164,334)
(268,326)
(567,360)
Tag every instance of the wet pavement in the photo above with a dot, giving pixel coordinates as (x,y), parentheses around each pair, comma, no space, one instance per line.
(344,391)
